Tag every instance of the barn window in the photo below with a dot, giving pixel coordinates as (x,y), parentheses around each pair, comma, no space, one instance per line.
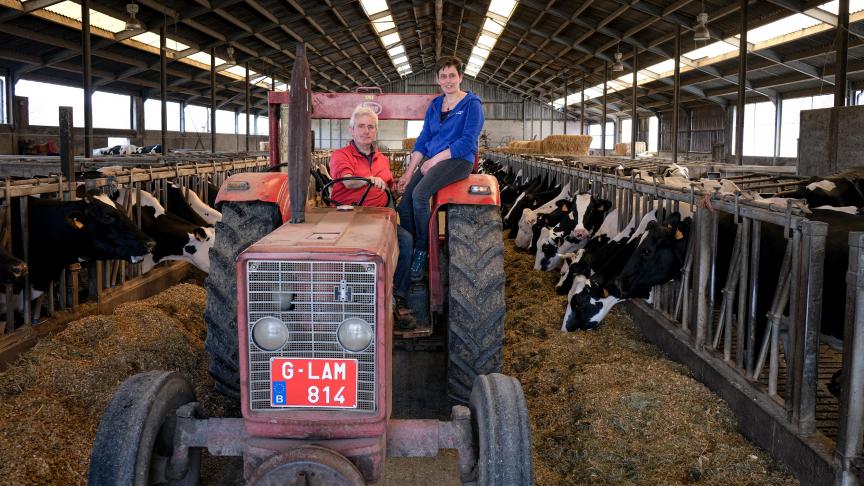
(109,112)
(153,115)
(3,101)
(45,100)
(197,119)
(626,125)
(261,126)
(653,130)
(792,109)
(225,121)
(758,129)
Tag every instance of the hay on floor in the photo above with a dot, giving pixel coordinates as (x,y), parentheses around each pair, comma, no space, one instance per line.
(607,408)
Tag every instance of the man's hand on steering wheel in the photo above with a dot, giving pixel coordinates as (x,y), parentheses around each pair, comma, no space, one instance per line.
(369,182)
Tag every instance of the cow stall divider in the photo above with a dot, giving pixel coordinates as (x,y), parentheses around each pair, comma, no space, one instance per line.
(107,280)
(765,366)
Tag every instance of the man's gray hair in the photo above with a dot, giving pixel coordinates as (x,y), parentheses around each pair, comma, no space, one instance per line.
(362,111)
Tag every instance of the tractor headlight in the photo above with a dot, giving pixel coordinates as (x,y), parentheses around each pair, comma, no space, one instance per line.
(480,190)
(354,334)
(269,333)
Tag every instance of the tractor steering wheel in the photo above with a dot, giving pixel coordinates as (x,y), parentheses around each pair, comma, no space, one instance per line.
(325,191)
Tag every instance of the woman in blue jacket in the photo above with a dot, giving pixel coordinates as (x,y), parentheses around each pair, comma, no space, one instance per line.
(443,154)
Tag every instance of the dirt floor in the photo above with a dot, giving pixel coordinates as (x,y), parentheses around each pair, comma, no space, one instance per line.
(606,408)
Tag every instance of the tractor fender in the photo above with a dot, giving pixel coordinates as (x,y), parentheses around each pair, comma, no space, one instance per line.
(459,192)
(269,187)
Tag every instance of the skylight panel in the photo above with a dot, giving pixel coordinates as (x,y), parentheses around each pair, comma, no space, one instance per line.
(152,40)
(780,27)
(503,8)
(204,58)
(99,20)
(493,26)
(496,18)
(384,24)
(237,71)
(390,39)
(382,20)
(486,41)
(834,6)
(372,7)
(662,67)
(712,50)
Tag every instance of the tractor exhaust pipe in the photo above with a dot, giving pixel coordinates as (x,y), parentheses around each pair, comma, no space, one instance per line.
(299,135)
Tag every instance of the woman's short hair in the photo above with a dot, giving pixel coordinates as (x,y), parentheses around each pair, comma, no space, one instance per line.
(362,111)
(447,61)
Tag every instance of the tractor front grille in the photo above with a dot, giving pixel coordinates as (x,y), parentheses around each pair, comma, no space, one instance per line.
(312,298)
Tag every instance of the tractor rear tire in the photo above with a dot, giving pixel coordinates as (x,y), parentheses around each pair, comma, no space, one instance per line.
(135,439)
(475,297)
(242,224)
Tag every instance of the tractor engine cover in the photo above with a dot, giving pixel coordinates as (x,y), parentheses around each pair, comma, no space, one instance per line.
(314,320)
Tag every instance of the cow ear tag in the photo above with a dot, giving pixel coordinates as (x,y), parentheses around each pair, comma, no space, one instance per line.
(565,208)
(77,224)
(679,235)
(605,293)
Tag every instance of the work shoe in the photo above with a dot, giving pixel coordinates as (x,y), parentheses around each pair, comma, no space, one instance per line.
(418,265)
(403,315)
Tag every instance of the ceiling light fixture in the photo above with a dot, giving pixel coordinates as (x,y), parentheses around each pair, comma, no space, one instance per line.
(618,66)
(230,59)
(132,23)
(700,30)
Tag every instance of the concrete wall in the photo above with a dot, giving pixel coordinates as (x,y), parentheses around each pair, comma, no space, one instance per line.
(830,140)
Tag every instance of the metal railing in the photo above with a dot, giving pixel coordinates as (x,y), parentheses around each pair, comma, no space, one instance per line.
(111,274)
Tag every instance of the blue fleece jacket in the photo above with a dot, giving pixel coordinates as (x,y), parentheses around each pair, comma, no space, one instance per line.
(459,132)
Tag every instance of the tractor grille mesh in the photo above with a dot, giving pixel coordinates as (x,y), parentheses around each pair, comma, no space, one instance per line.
(312,299)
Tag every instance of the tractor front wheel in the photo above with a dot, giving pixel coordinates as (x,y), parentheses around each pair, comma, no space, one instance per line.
(135,439)
(242,224)
(502,433)
(475,296)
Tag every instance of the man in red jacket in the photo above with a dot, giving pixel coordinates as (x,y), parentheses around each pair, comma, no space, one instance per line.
(360,158)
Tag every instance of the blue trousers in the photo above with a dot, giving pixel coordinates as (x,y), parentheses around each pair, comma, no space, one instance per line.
(414,207)
(402,280)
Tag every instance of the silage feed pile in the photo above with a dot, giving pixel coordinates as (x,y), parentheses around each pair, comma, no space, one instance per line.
(51,400)
(607,408)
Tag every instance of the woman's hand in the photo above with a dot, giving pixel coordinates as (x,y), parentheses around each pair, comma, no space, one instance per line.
(403,182)
(428,165)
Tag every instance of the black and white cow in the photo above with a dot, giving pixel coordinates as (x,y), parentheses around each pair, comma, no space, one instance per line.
(128,150)
(843,189)
(530,215)
(65,232)
(176,238)
(11,268)
(588,217)
(538,193)
(186,204)
(653,255)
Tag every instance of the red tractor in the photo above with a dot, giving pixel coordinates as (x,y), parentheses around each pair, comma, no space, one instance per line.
(300,328)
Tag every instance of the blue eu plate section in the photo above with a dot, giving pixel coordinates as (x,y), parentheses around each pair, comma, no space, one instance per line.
(278,393)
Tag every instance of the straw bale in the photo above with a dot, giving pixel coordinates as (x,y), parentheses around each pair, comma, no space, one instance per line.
(607,408)
(408,143)
(624,148)
(566,144)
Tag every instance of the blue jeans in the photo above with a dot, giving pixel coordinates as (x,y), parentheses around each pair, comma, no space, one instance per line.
(414,207)
(402,280)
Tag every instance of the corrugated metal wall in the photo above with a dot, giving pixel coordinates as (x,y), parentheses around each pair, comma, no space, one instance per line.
(700,134)
(498,104)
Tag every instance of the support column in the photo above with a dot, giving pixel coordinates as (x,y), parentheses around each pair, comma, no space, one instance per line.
(524,119)
(566,89)
(842,57)
(540,102)
(88,78)
(9,94)
(248,103)
(163,88)
(603,121)
(582,109)
(634,120)
(742,86)
(778,125)
(676,97)
(531,104)
(212,100)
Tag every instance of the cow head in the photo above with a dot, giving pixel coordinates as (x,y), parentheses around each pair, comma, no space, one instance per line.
(197,250)
(588,214)
(11,268)
(572,267)
(108,232)
(587,305)
(658,257)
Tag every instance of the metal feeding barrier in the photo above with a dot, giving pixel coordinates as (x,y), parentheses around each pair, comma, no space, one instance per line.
(713,324)
(111,275)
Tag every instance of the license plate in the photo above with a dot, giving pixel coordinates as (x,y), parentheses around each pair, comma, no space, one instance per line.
(313,382)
